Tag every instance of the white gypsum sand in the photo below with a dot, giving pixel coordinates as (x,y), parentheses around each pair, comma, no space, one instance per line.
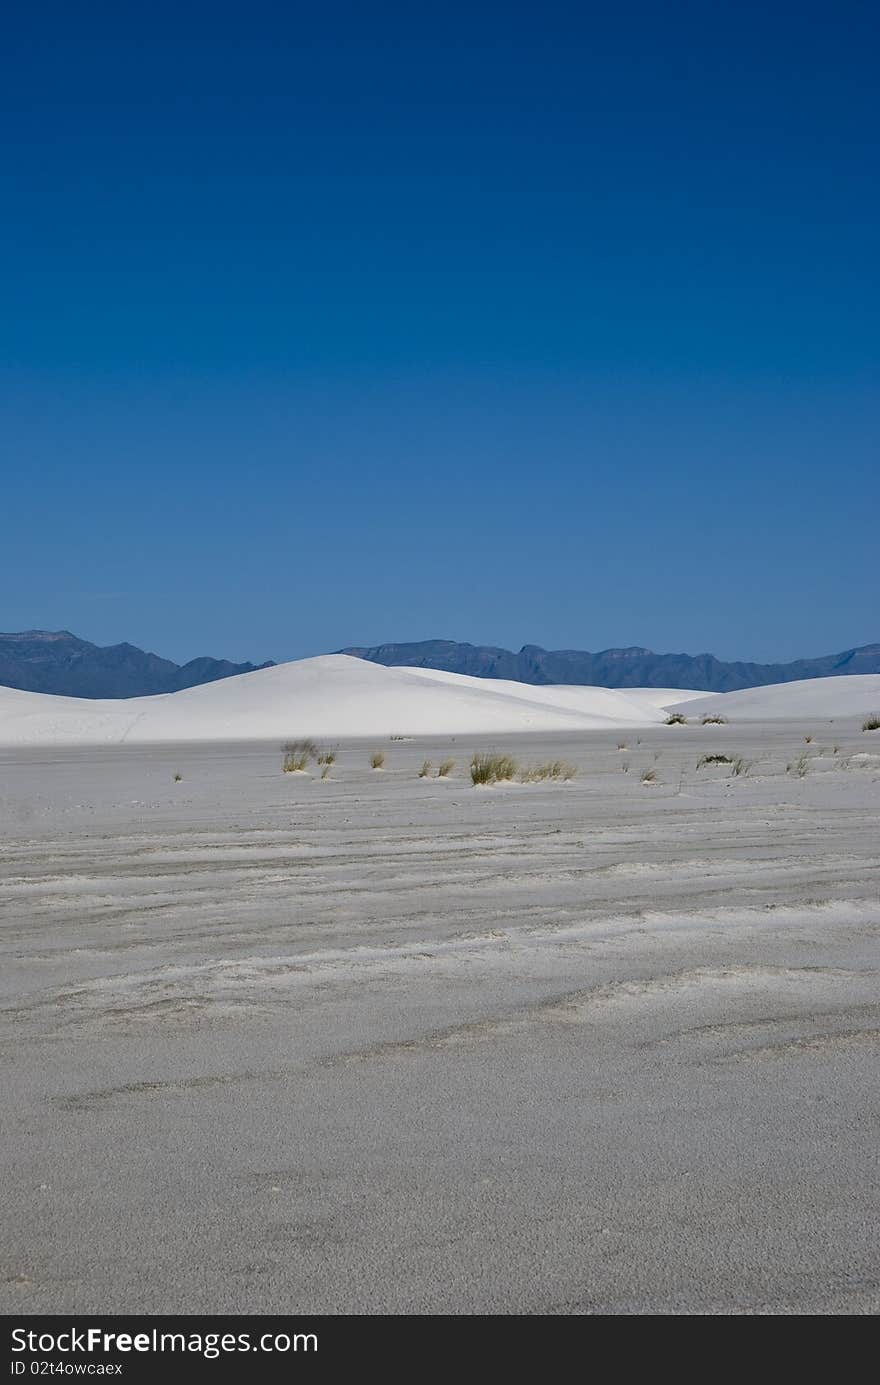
(383,1043)
(334,695)
(850,695)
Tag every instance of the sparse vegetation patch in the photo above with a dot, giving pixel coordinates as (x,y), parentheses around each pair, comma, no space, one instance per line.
(713,720)
(297,755)
(377,759)
(872,723)
(446,768)
(714,760)
(676,719)
(554,769)
(487,768)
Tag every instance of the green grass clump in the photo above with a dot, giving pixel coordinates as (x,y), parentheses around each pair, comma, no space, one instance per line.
(649,776)
(713,720)
(488,768)
(872,723)
(177,778)
(676,719)
(446,768)
(714,760)
(326,758)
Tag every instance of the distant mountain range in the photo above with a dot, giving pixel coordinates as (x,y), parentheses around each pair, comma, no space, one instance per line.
(58,662)
(615,668)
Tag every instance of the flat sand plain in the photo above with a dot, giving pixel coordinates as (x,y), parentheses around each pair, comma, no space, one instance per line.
(381,1044)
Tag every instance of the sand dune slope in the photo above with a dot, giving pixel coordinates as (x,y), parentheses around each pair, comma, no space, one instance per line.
(334,695)
(620,706)
(340,696)
(851,695)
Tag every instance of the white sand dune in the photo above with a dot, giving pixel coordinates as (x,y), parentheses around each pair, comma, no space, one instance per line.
(334,695)
(848,696)
(620,706)
(665,697)
(340,696)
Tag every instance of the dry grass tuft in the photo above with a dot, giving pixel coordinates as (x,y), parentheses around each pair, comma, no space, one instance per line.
(297,755)
(676,719)
(377,759)
(446,768)
(554,769)
(488,768)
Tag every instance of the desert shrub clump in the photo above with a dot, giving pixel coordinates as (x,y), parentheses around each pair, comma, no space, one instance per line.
(714,760)
(554,769)
(377,759)
(676,719)
(490,768)
(297,755)
(713,720)
(425,771)
(872,723)
(446,768)
(649,776)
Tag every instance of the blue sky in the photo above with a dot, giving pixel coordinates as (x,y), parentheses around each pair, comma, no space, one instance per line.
(533,324)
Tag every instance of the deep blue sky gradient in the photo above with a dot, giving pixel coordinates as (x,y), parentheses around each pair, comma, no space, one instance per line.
(335,325)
